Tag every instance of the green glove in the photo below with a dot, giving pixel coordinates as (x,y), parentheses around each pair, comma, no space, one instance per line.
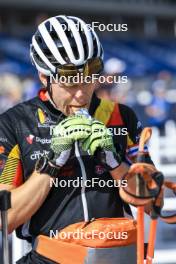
(69,130)
(100,143)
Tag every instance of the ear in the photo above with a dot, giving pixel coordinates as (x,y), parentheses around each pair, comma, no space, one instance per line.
(43,79)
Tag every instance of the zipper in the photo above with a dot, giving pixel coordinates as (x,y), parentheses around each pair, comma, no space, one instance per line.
(84,177)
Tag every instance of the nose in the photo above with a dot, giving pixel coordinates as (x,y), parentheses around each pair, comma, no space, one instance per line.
(79,93)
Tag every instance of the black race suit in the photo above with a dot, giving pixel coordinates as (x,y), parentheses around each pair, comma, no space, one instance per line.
(25,135)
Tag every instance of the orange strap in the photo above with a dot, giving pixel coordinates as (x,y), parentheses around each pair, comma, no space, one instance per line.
(170,185)
(128,194)
(151,189)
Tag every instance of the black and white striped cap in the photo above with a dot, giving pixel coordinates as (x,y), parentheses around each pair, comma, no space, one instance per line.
(61,40)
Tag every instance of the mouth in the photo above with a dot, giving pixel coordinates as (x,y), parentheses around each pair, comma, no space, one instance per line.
(74,108)
(77,106)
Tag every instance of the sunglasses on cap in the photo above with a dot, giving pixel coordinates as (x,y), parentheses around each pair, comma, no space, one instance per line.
(92,66)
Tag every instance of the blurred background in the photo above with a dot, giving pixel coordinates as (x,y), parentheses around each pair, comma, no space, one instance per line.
(142,47)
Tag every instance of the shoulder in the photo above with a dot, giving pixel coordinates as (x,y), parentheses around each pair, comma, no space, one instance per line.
(110,105)
(19,110)
(129,116)
(126,109)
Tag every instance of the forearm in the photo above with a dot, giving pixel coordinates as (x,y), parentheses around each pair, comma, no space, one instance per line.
(27,199)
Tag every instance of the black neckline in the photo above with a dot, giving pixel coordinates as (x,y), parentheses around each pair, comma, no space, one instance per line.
(94,104)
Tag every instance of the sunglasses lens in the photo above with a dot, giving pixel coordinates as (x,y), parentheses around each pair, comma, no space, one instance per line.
(68,70)
(93,66)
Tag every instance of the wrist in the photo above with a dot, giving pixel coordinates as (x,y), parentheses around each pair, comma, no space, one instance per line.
(113,159)
(44,166)
(118,172)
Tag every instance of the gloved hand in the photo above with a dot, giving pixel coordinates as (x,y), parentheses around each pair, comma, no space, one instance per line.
(100,143)
(69,130)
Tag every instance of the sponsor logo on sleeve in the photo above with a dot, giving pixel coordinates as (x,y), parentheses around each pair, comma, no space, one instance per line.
(2,139)
(139,125)
(2,149)
(137,138)
(30,139)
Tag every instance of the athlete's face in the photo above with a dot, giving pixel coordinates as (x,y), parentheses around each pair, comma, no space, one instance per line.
(70,97)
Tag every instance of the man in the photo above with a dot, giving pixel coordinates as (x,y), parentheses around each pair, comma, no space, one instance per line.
(65,46)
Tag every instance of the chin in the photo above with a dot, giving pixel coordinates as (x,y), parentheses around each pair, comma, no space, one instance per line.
(68,111)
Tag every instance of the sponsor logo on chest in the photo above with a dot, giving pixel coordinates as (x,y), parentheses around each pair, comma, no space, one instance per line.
(38,154)
(44,120)
(31,139)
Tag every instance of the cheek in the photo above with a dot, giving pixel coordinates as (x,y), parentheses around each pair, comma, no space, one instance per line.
(62,97)
(90,91)
(92,88)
